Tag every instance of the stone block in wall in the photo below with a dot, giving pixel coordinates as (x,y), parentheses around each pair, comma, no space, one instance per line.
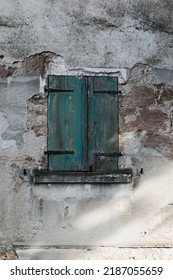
(161,143)
(37,114)
(145,108)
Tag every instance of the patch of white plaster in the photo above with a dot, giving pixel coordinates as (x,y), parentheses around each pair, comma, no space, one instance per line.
(42,84)
(31,144)
(5,144)
(132,142)
(57,66)
(130,118)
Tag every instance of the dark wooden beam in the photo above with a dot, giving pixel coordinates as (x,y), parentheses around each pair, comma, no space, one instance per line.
(56,177)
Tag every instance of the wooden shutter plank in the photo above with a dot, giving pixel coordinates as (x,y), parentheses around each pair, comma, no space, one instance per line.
(103,123)
(65,123)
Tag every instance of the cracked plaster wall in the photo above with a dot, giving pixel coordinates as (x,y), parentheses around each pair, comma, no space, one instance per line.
(130,40)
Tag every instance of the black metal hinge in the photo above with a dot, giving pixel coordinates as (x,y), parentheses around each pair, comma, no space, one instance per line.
(114,154)
(58,152)
(46,89)
(107,91)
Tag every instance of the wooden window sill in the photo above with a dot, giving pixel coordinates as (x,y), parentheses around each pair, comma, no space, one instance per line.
(58,177)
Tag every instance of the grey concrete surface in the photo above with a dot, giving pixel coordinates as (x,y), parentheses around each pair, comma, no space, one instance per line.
(92,33)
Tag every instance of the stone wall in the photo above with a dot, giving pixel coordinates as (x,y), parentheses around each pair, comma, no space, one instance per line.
(130,40)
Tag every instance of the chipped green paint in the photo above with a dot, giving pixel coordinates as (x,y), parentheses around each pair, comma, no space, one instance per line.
(83,123)
(65,122)
(103,123)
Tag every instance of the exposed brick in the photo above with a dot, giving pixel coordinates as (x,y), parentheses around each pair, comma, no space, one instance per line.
(6,71)
(34,64)
(163,93)
(143,111)
(37,114)
(162,143)
(9,254)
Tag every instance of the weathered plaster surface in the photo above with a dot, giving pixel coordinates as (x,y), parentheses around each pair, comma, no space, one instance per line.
(105,31)
(14,92)
(131,40)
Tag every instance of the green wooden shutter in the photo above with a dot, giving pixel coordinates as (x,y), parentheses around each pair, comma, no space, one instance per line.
(103,123)
(65,123)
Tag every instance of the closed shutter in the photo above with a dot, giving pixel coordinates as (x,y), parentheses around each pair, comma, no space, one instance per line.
(103,123)
(66,119)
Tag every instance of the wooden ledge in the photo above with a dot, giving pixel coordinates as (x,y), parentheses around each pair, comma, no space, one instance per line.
(58,177)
